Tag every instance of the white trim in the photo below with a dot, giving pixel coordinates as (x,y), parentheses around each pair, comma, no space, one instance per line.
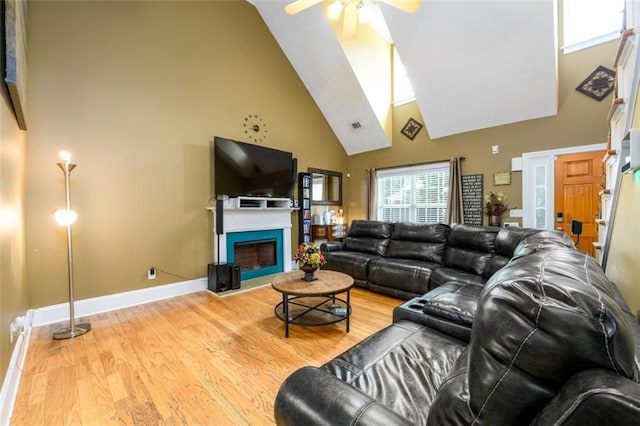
(529,161)
(404,170)
(86,307)
(11,382)
(575,47)
(96,305)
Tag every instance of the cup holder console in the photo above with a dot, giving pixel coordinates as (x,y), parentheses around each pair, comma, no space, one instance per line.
(411,310)
(416,304)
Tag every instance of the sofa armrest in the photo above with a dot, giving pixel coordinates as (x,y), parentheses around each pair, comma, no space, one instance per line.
(593,397)
(454,302)
(311,396)
(412,311)
(332,246)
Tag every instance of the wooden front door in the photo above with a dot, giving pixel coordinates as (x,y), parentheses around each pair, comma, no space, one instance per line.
(578,179)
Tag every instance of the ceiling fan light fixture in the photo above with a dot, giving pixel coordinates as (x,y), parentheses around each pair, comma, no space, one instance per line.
(335,10)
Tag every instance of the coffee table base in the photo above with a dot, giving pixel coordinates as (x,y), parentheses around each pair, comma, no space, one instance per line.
(310,311)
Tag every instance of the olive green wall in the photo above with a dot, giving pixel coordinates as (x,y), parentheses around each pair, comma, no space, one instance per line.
(136,91)
(580,121)
(13,288)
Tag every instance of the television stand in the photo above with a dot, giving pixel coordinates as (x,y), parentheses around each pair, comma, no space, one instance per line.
(243,202)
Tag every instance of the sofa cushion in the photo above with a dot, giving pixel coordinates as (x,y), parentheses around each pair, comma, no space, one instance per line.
(418,241)
(349,262)
(543,240)
(508,239)
(455,302)
(402,367)
(443,275)
(540,320)
(410,276)
(470,248)
(506,242)
(478,238)
(368,237)
(467,260)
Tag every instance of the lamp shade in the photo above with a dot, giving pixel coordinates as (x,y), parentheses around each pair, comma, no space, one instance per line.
(65,217)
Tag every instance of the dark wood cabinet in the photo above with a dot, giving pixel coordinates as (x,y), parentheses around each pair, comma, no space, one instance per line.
(333,232)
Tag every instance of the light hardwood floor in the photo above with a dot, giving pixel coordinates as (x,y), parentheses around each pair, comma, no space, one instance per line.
(196,359)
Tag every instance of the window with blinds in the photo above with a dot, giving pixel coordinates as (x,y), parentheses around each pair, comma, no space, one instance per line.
(413,194)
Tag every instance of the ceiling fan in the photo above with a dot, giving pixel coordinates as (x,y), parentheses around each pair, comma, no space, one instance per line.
(351,9)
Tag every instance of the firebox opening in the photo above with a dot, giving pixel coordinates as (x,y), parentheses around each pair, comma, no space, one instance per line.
(251,255)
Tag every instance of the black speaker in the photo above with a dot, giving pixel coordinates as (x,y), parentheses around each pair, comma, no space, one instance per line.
(235,277)
(294,170)
(220,277)
(294,176)
(219,217)
(576,227)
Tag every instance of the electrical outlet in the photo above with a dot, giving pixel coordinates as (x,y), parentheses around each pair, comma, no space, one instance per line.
(151,273)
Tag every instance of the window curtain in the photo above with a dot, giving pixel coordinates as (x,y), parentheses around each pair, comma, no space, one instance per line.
(372,196)
(454,203)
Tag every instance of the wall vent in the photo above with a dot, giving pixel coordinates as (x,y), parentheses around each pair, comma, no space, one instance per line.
(356,125)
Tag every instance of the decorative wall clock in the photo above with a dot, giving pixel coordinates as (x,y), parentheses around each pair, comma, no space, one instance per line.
(255,128)
(411,129)
(599,84)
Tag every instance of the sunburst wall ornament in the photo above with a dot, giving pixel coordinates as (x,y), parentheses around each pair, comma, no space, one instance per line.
(411,129)
(599,84)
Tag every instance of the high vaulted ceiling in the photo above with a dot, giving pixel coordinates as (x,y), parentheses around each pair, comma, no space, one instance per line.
(473,64)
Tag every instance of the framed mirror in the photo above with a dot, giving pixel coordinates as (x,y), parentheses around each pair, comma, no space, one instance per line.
(326,187)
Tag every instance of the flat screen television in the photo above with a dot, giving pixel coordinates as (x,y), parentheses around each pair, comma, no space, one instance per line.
(244,169)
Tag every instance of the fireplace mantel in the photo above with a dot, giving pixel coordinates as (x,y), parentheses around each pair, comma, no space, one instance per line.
(243,214)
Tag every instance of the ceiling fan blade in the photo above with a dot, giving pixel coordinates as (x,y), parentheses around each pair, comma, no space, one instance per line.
(350,21)
(299,6)
(408,6)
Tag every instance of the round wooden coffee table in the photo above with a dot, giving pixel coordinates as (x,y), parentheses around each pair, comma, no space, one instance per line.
(313,303)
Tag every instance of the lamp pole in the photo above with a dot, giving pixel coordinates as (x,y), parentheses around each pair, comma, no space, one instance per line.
(67,218)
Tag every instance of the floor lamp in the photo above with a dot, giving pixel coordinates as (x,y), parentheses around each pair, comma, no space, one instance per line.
(66,218)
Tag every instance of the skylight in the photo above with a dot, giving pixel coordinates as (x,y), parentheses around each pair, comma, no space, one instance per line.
(402,90)
(591,22)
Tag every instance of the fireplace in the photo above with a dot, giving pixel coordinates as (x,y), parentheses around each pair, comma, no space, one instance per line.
(257,252)
(254,221)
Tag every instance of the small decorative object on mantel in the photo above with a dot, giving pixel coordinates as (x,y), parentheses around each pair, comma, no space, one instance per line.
(309,259)
(599,84)
(495,205)
(411,129)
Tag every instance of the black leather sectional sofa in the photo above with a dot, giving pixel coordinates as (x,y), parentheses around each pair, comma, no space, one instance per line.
(406,260)
(549,340)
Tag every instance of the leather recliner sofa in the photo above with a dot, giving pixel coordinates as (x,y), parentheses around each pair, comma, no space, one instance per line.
(552,341)
(405,260)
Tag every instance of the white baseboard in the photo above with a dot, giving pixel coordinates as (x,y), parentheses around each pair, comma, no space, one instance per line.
(96,305)
(9,390)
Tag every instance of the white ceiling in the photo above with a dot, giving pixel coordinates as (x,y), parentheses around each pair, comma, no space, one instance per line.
(473,64)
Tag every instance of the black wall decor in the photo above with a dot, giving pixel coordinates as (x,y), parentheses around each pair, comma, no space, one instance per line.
(599,84)
(411,129)
(472,198)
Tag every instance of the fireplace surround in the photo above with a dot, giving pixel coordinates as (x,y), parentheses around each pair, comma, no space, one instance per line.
(254,220)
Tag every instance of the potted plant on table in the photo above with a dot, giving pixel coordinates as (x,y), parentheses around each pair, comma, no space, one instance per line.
(309,258)
(495,205)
